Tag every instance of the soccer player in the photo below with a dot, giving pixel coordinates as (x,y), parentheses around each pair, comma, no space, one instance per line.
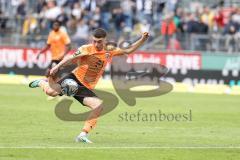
(59,44)
(91,60)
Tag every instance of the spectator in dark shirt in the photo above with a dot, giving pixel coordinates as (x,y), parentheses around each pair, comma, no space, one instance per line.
(63,17)
(118,21)
(21,13)
(70,3)
(230,31)
(21,9)
(3,23)
(40,5)
(192,24)
(105,15)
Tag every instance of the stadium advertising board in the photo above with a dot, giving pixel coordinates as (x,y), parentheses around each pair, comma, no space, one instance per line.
(23,61)
(188,67)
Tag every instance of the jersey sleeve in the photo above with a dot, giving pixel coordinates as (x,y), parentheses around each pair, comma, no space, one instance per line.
(83,50)
(117,52)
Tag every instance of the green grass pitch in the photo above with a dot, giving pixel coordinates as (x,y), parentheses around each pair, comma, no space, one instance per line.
(30,130)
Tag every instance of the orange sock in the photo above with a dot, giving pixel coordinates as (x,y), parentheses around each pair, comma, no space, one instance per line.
(89,125)
(91,122)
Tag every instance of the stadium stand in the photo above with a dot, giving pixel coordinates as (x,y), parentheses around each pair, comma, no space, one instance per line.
(214,27)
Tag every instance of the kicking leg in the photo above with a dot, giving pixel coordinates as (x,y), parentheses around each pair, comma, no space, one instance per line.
(50,87)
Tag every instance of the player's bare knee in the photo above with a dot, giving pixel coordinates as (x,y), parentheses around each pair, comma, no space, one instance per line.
(51,92)
(93,102)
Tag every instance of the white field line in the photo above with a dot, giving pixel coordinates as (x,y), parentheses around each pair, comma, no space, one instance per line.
(120,147)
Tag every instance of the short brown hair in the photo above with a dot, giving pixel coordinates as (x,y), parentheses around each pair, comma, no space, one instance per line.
(99,33)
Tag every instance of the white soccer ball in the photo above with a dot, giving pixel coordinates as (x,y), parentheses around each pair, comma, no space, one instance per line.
(69,87)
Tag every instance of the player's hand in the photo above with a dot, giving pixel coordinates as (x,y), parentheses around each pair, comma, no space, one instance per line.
(53,71)
(145,35)
(38,55)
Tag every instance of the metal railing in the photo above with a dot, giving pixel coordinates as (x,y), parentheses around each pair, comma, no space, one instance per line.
(11,34)
(213,43)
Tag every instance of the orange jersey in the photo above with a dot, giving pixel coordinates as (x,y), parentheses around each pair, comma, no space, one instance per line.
(91,66)
(58,40)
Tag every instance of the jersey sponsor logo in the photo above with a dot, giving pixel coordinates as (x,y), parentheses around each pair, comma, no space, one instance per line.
(76,53)
(107,55)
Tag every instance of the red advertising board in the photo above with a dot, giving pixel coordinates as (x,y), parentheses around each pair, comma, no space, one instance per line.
(172,60)
(23,60)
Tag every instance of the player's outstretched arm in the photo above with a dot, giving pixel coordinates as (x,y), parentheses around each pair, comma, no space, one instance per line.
(43,50)
(67,49)
(137,44)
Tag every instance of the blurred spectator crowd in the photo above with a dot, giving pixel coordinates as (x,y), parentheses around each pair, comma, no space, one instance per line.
(196,26)
(79,17)
(203,27)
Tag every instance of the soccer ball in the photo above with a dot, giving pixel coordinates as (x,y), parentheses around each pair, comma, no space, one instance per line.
(69,87)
